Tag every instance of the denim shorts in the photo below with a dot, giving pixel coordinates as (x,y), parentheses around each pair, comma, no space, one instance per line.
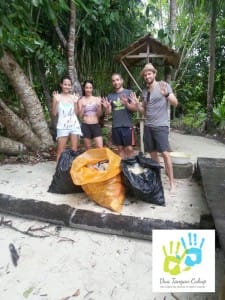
(67,132)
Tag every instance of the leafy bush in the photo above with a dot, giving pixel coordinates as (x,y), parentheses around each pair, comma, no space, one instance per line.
(195,117)
(219,114)
(106,131)
(177,123)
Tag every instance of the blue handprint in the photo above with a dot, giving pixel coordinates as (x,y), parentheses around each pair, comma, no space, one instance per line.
(194,253)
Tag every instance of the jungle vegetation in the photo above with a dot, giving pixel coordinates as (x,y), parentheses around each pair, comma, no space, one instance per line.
(41,40)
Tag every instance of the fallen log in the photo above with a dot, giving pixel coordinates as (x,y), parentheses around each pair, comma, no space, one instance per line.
(66,215)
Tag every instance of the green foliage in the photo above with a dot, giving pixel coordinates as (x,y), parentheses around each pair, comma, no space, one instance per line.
(219,114)
(103,28)
(193,39)
(109,27)
(105,135)
(195,117)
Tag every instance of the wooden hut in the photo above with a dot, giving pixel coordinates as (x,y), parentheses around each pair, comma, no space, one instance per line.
(148,49)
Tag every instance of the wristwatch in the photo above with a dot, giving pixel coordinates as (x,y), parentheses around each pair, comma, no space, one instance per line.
(167,95)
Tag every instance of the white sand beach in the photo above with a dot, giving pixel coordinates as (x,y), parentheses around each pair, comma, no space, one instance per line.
(71,264)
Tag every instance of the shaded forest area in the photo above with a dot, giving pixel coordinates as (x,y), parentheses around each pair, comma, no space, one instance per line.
(41,40)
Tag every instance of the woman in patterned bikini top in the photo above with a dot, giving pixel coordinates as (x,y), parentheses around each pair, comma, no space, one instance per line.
(90,109)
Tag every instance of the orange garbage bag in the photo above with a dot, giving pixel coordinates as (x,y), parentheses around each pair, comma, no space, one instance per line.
(103,184)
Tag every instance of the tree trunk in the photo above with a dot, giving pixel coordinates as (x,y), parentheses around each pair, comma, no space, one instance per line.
(47,95)
(173,22)
(61,36)
(17,128)
(168,76)
(41,74)
(28,97)
(212,59)
(71,49)
(9,146)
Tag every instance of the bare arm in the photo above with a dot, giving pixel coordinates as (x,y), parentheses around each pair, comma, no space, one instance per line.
(106,104)
(75,100)
(132,105)
(141,107)
(170,97)
(99,106)
(76,108)
(80,108)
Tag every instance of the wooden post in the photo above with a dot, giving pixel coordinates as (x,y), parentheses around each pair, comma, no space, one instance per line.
(141,134)
(141,119)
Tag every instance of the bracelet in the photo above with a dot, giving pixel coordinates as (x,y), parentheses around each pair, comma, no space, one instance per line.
(167,95)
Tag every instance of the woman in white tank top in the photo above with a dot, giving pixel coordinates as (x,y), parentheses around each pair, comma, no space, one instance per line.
(65,107)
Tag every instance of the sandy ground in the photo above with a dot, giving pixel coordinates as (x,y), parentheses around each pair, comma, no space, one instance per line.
(75,264)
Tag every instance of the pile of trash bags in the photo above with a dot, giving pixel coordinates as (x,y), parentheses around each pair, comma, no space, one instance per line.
(62,182)
(98,172)
(142,179)
(105,178)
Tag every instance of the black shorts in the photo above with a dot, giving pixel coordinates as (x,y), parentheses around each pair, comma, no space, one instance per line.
(122,136)
(156,139)
(91,131)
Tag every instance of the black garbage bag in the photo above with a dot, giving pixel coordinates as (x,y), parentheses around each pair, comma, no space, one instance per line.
(142,179)
(62,182)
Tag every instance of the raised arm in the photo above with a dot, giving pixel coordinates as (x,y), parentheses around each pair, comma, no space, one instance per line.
(107,105)
(131,102)
(172,99)
(165,91)
(80,108)
(75,98)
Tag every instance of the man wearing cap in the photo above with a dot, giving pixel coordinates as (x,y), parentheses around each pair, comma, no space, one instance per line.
(156,98)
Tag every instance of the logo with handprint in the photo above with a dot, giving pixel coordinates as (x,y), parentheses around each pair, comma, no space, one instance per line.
(193,249)
(183,260)
(173,260)
(182,255)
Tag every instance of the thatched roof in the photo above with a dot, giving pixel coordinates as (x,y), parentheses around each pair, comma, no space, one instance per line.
(148,48)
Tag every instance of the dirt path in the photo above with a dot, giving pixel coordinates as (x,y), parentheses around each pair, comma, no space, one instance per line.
(197,146)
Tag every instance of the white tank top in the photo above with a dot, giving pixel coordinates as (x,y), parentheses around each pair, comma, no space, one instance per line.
(67,118)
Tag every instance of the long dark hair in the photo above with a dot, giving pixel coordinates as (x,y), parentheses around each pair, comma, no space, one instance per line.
(65,77)
(83,85)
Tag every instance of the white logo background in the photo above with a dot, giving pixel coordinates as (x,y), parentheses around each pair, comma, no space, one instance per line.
(200,277)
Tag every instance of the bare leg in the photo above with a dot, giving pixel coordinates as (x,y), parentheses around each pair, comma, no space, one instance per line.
(61,145)
(74,142)
(98,142)
(169,169)
(121,152)
(154,155)
(87,143)
(128,150)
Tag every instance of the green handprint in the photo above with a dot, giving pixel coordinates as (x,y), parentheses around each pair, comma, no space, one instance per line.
(172,262)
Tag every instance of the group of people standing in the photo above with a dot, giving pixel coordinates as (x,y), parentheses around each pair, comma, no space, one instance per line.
(121,104)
